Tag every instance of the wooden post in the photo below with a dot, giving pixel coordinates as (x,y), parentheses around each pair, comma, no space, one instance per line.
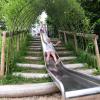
(59,35)
(18,40)
(75,41)
(24,37)
(97,50)
(65,39)
(2,69)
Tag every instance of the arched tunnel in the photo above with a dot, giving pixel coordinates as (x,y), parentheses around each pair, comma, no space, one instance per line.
(23,65)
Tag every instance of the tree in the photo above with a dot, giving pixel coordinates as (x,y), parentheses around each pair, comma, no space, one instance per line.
(67,15)
(92,9)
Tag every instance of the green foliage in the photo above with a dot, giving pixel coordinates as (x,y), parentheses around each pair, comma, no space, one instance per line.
(90,48)
(63,14)
(97,27)
(67,15)
(0,39)
(92,9)
(9,79)
(12,56)
(84,56)
(87,58)
(31,70)
(96,72)
(20,14)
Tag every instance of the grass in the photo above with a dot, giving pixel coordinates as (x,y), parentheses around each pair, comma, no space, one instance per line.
(21,69)
(84,57)
(20,80)
(88,58)
(10,79)
(34,54)
(70,61)
(22,60)
(0,42)
(96,72)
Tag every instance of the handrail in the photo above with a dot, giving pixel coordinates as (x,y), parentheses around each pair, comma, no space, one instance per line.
(79,34)
(9,34)
(91,38)
(11,45)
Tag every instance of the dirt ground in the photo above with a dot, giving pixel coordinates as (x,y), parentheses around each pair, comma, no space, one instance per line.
(56,96)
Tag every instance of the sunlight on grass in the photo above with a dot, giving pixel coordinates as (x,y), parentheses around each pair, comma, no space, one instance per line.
(20,80)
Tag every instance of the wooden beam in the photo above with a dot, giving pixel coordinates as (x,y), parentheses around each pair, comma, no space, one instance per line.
(2,69)
(91,36)
(97,52)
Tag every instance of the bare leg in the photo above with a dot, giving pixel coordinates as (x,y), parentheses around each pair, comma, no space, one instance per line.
(54,56)
(48,57)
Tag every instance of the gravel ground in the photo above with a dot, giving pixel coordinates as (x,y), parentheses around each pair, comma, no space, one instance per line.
(56,96)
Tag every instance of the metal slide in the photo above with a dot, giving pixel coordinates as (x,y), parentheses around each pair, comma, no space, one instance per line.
(72,83)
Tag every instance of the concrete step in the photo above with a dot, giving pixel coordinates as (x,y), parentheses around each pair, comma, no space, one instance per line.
(97,76)
(60,49)
(65,53)
(68,58)
(37,39)
(31,61)
(32,58)
(31,75)
(35,46)
(16,92)
(37,49)
(89,72)
(34,53)
(74,66)
(69,62)
(34,49)
(32,41)
(60,45)
(86,71)
(34,66)
(54,39)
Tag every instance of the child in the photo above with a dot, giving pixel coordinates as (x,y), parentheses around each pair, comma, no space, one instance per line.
(49,50)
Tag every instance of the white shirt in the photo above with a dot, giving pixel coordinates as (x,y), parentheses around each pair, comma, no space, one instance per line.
(47,46)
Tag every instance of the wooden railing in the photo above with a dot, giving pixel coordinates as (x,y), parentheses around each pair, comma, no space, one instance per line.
(82,42)
(11,45)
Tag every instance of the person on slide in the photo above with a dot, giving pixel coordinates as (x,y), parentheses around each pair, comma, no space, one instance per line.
(49,50)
